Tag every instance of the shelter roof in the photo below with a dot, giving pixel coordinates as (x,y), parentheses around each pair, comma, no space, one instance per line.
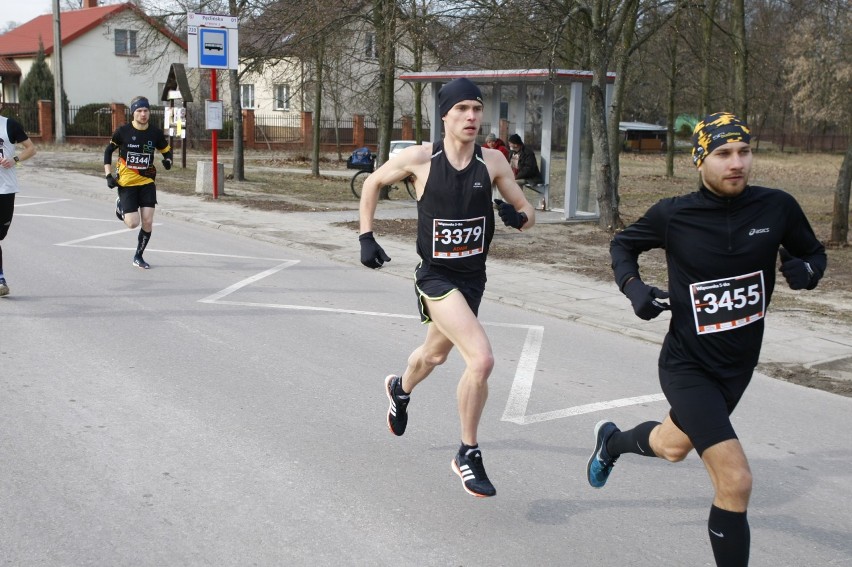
(640,126)
(506,76)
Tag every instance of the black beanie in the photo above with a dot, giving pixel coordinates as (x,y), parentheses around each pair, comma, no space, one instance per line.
(456,91)
(515,139)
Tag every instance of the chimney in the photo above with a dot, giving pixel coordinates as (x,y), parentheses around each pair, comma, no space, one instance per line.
(90,3)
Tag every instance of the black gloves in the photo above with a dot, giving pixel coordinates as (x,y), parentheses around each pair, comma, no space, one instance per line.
(372,254)
(167,163)
(797,272)
(509,215)
(644,299)
(112,182)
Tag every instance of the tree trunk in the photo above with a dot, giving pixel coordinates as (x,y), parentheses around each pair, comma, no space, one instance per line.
(738,31)
(840,215)
(315,143)
(706,43)
(237,112)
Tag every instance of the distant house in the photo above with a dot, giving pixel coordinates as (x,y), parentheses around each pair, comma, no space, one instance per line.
(643,137)
(109,53)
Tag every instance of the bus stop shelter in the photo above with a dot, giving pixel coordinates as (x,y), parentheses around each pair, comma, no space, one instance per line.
(580,203)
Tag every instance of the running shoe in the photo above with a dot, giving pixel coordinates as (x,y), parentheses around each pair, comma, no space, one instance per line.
(601,463)
(118,212)
(398,409)
(4,289)
(140,263)
(471,471)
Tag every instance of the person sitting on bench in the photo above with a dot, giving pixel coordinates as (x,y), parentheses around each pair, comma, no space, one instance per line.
(523,161)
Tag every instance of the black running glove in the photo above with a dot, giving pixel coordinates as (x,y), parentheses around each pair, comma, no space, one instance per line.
(509,215)
(797,272)
(112,182)
(167,163)
(644,299)
(372,254)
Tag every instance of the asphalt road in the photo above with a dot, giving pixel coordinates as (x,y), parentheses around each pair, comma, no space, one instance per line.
(226,408)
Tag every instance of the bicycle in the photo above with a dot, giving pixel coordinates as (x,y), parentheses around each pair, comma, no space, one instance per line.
(360,176)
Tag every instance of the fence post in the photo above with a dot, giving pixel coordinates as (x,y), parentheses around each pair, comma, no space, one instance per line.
(249,139)
(358,130)
(45,120)
(118,114)
(307,129)
(407,127)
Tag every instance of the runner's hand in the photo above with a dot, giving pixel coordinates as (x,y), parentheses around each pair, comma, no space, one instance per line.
(796,271)
(112,182)
(167,163)
(372,254)
(645,299)
(509,215)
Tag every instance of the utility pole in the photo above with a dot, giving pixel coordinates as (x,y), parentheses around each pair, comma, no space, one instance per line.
(58,108)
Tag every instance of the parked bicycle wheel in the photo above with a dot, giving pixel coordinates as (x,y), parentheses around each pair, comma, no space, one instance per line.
(358,182)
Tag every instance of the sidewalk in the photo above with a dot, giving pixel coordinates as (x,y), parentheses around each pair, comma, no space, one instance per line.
(790,339)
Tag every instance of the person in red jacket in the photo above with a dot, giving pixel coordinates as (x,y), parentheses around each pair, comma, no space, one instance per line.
(495,143)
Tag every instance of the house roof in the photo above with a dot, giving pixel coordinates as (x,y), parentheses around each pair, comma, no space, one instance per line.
(23,40)
(8,68)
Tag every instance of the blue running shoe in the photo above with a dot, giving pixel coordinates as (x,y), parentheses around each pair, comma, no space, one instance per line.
(601,463)
(4,288)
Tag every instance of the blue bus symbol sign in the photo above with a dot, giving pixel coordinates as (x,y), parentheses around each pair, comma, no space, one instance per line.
(213,47)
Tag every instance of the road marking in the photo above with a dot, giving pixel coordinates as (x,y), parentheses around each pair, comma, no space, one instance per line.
(522,383)
(519,394)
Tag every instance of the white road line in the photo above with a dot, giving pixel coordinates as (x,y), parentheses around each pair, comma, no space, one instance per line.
(519,395)
(587,408)
(250,280)
(48,202)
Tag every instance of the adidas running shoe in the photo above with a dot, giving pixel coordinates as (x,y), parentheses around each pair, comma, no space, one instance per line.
(601,463)
(140,263)
(471,471)
(398,409)
(118,212)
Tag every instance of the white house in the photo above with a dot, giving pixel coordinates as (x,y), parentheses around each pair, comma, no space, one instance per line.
(109,53)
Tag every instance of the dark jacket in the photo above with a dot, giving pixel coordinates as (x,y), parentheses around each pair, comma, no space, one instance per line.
(527,165)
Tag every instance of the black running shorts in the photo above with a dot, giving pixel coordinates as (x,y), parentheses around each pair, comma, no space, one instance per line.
(132,198)
(702,404)
(7,211)
(429,284)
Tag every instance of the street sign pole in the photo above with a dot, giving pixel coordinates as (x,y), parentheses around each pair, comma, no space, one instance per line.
(212,42)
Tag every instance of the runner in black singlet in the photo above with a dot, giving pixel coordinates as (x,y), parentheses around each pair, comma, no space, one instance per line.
(453,179)
(721,246)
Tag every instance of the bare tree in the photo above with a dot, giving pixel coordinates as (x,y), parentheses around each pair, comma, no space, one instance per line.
(820,78)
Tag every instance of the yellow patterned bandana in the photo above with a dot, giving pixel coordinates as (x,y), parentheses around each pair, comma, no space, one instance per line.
(715,130)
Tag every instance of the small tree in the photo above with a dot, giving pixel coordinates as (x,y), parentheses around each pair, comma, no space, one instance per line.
(38,84)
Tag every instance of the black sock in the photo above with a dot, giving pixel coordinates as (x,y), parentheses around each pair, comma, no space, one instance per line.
(636,440)
(465,450)
(730,537)
(399,392)
(144,237)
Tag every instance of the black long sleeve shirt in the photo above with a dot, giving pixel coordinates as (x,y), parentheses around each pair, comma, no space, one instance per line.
(721,256)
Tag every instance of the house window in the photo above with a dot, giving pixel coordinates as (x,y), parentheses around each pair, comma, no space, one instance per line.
(371,51)
(247,96)
(282,97)
(125,42)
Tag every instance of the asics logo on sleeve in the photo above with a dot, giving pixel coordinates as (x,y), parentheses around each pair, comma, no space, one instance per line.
(754,231)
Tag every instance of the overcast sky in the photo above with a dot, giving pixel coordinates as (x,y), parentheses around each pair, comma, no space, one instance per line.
(22,11)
